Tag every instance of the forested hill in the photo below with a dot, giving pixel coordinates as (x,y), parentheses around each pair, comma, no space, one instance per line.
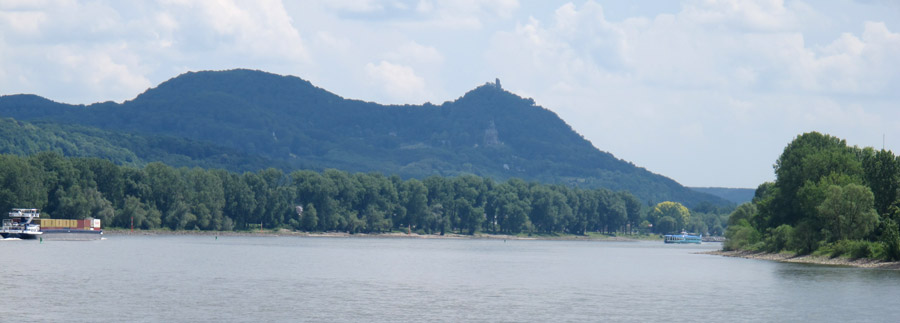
(736,195)
(488,131)
(25,139)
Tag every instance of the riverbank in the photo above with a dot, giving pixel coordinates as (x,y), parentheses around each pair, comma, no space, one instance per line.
(809,259)
(278,233)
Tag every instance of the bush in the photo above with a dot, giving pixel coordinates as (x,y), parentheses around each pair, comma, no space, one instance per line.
(866,249)
(806,237)
(779,238)
(759,246)
(741,237)
(853,249)
(890,238)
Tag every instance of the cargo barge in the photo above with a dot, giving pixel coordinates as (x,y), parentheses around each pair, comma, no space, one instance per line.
(21,225)
(27,224)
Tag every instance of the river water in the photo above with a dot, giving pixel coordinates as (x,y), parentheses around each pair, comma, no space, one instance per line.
(260,279)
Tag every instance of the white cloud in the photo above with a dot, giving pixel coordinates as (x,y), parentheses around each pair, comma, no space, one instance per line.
(69,51)
(760,15)
(259,28)
(355,5)
(415,53)
(458,14)
(424,6)
(399,81)
(27,23)
(861,65)
(716,68)
(333,42)
(501,8)
(681,51)
(105,71)
(110,51)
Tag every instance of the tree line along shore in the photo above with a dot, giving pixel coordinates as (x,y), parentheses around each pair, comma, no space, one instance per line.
(158,196)
(829,201)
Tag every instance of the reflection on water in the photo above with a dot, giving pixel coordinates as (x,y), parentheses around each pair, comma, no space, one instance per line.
(199,278)
(841,274)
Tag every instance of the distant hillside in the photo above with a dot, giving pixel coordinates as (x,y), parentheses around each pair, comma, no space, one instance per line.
(284,119)
(736,195)
(23,138)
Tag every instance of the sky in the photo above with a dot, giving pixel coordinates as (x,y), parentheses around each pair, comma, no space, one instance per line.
(706,92)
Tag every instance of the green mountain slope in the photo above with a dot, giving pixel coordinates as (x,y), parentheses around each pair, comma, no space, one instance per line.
(488,131)
(24,138)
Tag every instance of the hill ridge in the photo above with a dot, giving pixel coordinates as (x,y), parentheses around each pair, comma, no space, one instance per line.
(487,131)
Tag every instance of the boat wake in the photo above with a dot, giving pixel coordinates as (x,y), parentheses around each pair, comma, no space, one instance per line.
(10,239)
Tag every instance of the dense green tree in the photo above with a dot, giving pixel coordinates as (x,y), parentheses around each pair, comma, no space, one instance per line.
(890,237)
(99,207)
(21,184)
(882,174)
(616,212)
(414,198)
(697,225)
(780,238)
(633,207)
(310,218)
(138,213)
(666,224)
(71,203)
(548,209)
(741,236)
(166,187)
(847,212)
(677,212)
(239,200)
(807,159)
(205,192)
(160,196)
(108,178)
(826,194)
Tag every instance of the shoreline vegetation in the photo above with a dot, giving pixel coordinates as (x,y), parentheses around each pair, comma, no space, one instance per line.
(830,203)
(808,259)
(394,234)
(161,197)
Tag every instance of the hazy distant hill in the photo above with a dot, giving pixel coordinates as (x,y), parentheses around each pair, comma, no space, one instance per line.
(284,119)
(736,195)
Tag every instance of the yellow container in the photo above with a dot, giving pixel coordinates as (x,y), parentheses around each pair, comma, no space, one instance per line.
(58,223)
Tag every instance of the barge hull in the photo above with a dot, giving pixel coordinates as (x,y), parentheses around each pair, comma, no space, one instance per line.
(23,236)
(71,234)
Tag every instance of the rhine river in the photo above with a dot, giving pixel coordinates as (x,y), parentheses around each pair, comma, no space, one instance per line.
(289,279)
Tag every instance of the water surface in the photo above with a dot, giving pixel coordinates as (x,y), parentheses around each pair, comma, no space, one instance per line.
(252,279)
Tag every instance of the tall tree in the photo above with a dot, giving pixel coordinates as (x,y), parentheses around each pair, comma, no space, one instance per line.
(882,172)
(679,213)
(806,159)
(847,212)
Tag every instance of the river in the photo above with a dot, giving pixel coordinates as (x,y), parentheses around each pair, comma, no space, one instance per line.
(260,279)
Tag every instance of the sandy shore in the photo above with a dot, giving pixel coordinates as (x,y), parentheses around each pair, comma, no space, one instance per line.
(809,259)
(268,233)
